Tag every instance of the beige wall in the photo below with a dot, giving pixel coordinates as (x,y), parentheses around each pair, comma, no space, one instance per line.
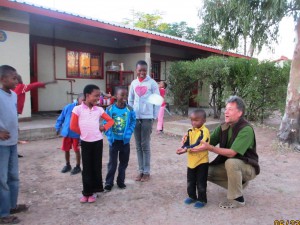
(54,96)
(130,60)
(15,52)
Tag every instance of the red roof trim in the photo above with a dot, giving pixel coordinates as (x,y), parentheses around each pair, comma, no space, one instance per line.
(89,22)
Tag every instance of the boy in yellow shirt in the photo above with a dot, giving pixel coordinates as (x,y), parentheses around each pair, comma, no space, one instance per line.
(197,161)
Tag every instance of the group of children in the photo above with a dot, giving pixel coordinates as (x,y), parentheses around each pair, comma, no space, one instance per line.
(79,123)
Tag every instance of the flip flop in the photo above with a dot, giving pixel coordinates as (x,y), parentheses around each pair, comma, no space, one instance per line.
(231,204)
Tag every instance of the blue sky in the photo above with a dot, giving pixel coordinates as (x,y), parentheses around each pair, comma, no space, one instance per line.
(173,11)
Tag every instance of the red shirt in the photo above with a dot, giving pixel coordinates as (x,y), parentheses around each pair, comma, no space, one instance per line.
(162,92)
(21,89)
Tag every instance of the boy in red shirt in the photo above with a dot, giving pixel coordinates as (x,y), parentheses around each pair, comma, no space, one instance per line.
(21,90)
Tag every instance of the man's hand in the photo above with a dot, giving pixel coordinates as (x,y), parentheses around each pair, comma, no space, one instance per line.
(57,132)
(204,146)
(180,151)
(4,135)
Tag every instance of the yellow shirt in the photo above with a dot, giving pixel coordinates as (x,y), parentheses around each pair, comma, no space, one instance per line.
(194,159)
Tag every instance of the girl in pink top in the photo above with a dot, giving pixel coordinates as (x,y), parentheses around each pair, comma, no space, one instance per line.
(86,122)
(160,118)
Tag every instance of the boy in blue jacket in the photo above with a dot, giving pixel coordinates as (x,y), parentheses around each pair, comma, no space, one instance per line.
(70,138)
(118,138)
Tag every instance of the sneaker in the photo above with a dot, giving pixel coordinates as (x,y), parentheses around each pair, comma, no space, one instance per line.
(199,204)
(145,178)
(84,199)
(19,208)
(66,169)
(76,170)
(107,188)
(122,186)
(189,201)
(139,177)
(92,198)
(9,220)
(231,204)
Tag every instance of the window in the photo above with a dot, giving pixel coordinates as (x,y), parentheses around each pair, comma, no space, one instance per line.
(84,65)
(155,70)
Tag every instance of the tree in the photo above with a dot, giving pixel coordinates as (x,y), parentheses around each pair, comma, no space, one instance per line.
(254,23)
(151,21)
(289,130)
(228,22)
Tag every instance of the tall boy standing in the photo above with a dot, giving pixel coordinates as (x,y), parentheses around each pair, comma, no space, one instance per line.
(9,169)
(139,92)
(119,137)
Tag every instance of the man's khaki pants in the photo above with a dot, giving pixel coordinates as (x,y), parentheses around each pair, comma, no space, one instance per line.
(231,175)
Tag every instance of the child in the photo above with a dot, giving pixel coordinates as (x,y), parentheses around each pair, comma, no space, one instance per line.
(70,138)
(85,121)
(140,89)
(9,171)
(160,119)
(197,161)
(119,137)
(21,90)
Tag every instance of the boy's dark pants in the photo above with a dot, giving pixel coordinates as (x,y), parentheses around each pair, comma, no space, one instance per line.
(91,153)
(197,181)
(123,150)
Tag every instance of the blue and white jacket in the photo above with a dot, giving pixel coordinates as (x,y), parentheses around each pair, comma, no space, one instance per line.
(63,122)
(129,127)
(139,93)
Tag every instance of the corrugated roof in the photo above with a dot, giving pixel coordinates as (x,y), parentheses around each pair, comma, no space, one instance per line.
(126,27)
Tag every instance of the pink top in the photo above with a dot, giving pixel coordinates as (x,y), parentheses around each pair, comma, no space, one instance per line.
(89,122)
(162,92)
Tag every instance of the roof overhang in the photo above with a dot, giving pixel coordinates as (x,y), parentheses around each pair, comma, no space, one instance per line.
(124,30)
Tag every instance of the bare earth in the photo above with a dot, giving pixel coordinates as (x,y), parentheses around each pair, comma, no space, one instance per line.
(54,197)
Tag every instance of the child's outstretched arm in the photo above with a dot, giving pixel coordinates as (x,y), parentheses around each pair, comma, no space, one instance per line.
(109,122)
(74,124)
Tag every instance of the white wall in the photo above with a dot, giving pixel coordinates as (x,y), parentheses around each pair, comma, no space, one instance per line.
(54,96)
(130,60)
(15,52)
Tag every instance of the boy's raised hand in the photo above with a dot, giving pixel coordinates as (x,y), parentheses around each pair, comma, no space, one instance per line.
(51,82)
(4,135)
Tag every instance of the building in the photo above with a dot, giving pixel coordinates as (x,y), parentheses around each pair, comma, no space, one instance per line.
(45,44)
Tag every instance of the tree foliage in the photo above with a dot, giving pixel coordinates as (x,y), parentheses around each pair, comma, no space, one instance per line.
(250,23)
(152,21)
(260,84)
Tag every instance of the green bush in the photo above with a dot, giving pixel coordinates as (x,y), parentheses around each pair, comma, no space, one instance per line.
(262,85)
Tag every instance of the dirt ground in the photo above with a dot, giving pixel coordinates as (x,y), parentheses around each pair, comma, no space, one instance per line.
(54,197)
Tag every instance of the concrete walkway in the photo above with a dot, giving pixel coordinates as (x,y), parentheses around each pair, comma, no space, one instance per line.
(41,126)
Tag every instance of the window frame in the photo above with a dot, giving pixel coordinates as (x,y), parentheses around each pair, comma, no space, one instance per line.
(92,53)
